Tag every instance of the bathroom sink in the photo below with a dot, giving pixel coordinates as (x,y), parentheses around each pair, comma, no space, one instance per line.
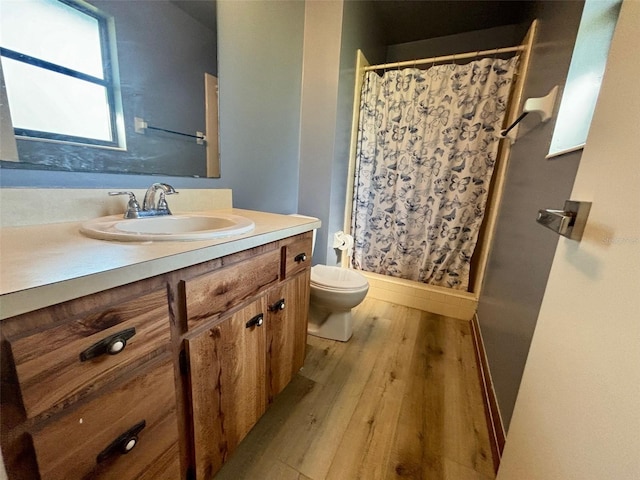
(167,228)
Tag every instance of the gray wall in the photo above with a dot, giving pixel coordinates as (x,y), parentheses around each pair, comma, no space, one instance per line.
(504,36)
(359,31)
(523,251)
(323,21)
(260,62)
(333,33)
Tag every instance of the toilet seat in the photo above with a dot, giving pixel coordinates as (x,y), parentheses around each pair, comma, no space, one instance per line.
(337,278)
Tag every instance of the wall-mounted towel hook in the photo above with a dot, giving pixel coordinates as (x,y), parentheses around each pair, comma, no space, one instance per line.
(541,105)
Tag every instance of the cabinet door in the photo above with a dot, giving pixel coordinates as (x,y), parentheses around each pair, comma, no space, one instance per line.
(286,331)
(227,372)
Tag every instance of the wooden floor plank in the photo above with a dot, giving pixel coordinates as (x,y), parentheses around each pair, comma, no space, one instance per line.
(322,358)
(256,452)
(467,440)
(401,399)
(421,431)
(365,447)
(280,471)
(347,385)
(442,414)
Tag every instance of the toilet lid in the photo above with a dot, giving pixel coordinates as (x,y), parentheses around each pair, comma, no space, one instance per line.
(337,278)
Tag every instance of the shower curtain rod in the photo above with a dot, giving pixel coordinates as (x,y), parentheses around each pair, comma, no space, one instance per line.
(454,57)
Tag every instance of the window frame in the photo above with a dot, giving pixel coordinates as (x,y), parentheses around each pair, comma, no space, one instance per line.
(110,83)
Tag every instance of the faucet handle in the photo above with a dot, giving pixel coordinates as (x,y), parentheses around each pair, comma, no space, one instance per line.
(133,207)
(162,203)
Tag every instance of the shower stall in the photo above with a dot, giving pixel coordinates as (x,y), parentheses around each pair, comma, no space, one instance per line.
(426,172)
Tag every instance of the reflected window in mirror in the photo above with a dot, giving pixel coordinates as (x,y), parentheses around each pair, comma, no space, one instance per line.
(60,72)
(164,50)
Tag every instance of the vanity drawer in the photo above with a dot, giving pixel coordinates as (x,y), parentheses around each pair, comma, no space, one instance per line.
(297,255)
(89,442)
(213,294)
(48,363)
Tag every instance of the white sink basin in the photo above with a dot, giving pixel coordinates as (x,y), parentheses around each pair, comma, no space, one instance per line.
(167,228)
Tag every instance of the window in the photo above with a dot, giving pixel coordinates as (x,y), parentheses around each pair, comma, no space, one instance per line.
(60,72)
(582,87)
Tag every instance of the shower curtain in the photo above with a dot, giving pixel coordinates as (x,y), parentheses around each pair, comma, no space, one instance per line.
(427,145)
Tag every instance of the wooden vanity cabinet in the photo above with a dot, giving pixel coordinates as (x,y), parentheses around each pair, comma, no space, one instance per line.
(286,331)
(88,388)
(157,379)
(239,362)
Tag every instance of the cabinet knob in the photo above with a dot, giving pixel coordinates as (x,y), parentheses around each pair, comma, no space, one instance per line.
(116,346)
(279,305)
(301,257)
(111,345)
(124,443)
(127,447)
(255,321)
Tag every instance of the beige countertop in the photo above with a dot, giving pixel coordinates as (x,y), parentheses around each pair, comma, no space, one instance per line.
(41,265)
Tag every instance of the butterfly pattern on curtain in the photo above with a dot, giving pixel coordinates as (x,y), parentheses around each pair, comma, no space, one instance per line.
(427,146)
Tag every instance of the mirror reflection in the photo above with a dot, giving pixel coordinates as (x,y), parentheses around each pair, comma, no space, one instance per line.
(110,86)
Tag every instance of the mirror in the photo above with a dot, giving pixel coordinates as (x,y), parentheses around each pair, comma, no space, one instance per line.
(164,90)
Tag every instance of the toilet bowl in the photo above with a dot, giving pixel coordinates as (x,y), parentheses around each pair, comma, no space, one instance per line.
(334,292)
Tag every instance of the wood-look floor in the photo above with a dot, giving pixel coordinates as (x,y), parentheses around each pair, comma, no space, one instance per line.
(400,400)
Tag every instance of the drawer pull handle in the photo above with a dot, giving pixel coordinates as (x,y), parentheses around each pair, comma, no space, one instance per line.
(111,345)
(255,321)
(276,307)
(301,257)
(124,443)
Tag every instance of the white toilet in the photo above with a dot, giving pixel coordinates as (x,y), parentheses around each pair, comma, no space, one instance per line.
(334,292)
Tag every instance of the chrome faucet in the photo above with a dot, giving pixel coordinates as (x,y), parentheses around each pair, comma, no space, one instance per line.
(150,207)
